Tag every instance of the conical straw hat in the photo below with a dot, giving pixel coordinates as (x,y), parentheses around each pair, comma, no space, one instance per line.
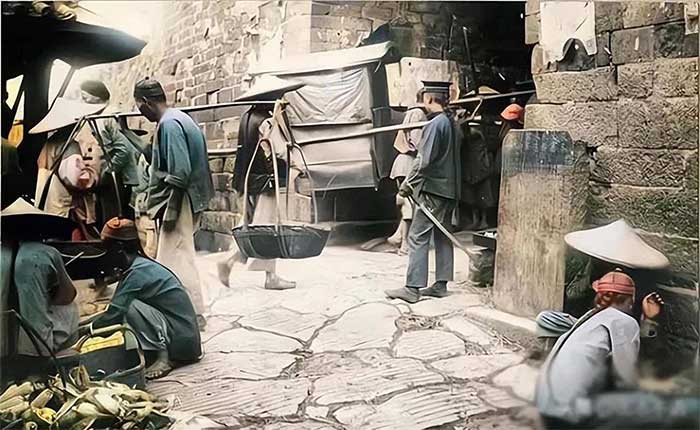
(21,218)
(617,243)
(269,87)
(65,112)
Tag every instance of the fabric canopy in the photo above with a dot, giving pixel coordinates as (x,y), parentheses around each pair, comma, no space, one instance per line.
(79,44)
(341,96)
(338,165)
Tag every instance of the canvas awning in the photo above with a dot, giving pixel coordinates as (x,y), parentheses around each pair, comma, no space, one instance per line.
(30,38)
(328,60)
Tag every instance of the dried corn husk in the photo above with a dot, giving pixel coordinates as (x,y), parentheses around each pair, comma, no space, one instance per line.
(24,389)
(67,420)
(83,424)
(42,399)
(14,401)
(88,410)
(17,410)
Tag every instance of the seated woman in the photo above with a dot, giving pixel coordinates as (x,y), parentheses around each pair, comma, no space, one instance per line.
(153,302)
(581,381)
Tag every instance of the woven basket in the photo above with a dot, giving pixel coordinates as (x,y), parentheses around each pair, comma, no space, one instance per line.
(272,241)
(280,241)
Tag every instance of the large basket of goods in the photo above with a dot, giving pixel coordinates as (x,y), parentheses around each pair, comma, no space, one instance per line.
(279,240)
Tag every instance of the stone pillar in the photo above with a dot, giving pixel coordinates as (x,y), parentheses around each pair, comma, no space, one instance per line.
(544,187)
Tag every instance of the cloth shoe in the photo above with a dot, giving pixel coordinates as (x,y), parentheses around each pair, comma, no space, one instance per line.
(407,294)
(438,289)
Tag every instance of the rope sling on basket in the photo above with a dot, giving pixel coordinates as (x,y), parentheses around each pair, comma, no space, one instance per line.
(272,241)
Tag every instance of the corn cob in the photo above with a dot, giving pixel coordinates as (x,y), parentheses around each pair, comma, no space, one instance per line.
(42,399)
(14,401)
(17,390)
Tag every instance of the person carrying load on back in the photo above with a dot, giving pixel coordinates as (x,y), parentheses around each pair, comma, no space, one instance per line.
(180,186)
(434,180)
(119,157)
(581,382)
(152,301)
(406,143)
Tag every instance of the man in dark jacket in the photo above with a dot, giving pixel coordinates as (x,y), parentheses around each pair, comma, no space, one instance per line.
(180,186)
(120,157)
(434,180)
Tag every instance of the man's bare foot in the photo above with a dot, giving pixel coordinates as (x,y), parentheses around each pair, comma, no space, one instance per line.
(274,282)
(201,322)
(223,269)
(161,367)
(403,250)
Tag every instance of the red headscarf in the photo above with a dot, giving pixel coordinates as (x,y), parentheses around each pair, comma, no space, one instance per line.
(119,229)
(615,282)
(514,112)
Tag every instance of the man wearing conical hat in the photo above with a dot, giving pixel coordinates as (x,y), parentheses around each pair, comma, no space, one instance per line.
(585,381)
(45,295)
(153,301)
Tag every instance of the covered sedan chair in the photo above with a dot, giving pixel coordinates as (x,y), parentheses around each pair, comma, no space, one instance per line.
(345,93)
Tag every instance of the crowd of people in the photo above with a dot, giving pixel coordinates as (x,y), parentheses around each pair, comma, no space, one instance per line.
(146,207)
(142,205)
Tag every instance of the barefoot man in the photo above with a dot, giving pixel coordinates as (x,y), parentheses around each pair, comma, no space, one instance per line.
(151,299)
(434,180)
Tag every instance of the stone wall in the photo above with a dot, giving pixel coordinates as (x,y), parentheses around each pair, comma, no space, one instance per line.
(201,51)
(635,105)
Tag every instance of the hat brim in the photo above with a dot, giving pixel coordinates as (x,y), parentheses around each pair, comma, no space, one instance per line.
(21,219)
(269,88)
(619,244)
(63,113)
(44,226)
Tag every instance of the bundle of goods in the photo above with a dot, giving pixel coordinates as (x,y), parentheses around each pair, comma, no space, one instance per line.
(79,403)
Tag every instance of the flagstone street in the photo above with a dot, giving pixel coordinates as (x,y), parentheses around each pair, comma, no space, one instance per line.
(335,354)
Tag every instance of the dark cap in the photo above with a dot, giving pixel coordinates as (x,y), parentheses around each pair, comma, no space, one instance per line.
(439,87)
(149,88)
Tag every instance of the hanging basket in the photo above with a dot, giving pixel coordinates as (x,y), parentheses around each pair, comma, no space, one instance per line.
(272,241)
(280,241)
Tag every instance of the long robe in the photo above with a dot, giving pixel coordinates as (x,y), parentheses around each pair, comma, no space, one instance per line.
(156,306)
(180,187)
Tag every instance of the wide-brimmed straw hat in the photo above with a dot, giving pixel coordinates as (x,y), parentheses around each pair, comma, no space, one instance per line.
(619,244)
(65,112)
(22,220)
(269,87)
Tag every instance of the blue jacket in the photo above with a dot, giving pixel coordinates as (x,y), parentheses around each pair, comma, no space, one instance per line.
(180,165)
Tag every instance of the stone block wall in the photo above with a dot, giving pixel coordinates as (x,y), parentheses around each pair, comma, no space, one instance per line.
(635,105)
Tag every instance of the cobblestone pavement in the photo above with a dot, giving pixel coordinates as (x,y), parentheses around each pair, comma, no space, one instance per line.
(335,354)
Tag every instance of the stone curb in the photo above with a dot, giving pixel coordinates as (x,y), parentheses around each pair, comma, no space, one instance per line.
(519,329)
